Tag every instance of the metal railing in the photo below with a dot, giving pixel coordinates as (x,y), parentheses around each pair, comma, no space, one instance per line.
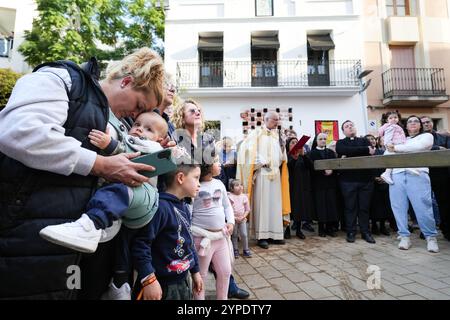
(5,46)
(413,82)
(297,73)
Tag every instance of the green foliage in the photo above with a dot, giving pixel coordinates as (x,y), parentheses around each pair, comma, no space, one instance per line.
(79,29)
(8,79)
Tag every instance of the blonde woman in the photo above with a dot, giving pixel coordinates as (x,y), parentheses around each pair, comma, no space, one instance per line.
(55,108)
(188,119)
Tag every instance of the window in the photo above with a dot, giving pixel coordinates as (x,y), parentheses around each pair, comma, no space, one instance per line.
(398,8)
(264,7)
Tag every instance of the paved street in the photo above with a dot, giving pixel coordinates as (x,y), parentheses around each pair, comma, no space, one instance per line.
(327,268)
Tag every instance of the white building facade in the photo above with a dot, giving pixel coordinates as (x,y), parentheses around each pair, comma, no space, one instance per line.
(241,58)
(15,17)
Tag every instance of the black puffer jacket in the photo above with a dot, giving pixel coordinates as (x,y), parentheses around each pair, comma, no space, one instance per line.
(30,267)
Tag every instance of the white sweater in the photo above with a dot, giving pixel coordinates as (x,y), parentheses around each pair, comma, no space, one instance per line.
(32,125)
(422,142)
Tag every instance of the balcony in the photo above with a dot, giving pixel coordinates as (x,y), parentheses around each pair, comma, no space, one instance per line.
(414,87)
(5,46)
(336,76)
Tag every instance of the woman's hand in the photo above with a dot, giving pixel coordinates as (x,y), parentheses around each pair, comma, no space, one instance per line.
(119,168)
(99,138)
(197,283)
(328,172)
(152,291)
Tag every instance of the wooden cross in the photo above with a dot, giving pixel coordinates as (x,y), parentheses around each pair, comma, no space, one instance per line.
(440,158)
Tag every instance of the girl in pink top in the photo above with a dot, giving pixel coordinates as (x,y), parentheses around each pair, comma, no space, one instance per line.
(392,133)
(241,208)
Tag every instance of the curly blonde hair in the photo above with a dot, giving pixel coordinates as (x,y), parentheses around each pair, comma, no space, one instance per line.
(178,114)
(146,68)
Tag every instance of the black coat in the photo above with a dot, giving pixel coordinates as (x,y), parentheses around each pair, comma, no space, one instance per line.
(300,188)
(380,208)
(324,188)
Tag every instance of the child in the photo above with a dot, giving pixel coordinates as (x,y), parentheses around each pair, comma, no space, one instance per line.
(163,251)
(212,225)
(392,134)
(241,208)
(136,206)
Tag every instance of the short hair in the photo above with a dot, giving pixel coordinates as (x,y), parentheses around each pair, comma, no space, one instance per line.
(168,179)
(342,126)
(178,114)
(146,68)
(232,183)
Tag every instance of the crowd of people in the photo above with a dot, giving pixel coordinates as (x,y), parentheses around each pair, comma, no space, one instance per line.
(72,196)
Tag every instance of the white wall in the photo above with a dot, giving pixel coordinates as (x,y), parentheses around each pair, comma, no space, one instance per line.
(24,14)
(305,109)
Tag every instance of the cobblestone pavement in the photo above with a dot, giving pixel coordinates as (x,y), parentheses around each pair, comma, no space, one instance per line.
(332,269)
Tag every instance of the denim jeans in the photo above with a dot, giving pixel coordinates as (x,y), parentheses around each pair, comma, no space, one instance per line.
(418,190)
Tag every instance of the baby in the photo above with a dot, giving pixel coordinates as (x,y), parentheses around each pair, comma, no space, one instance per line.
(115,203)
(392,133)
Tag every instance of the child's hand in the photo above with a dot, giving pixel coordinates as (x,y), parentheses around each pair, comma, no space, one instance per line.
(152,291)
(100,139)
(230,228)
(197,282)
(390,147)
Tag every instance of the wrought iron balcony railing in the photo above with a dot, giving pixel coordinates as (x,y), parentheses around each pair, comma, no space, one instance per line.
(406,82)
(301,73)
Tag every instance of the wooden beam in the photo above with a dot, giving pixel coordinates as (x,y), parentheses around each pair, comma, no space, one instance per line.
(439,158)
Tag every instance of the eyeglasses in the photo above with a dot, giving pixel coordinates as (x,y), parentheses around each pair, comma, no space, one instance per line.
(194,111)
(413,121)
(426,122)
(277,119)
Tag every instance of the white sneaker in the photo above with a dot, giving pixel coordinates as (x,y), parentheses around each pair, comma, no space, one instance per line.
(114,293)
(405,243)
(432,245)
(79,235)
(110,232)
(387,178)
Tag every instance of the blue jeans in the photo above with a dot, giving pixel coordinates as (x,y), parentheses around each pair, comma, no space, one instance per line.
(109,203)
(418,190)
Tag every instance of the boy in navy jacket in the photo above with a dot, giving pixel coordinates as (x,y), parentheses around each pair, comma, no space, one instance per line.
(163,251)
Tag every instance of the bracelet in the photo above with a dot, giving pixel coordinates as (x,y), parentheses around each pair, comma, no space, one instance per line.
(149,281)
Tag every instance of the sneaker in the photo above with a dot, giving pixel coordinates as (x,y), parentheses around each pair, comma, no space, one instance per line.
(405,243)
(110,232)
(79,235)
(387,178)
(114,293)
(236,253)
(432,245)
(247,254)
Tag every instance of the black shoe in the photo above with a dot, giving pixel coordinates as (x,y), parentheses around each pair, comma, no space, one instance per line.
(277,241)
(368,237)
(287,233)
(322,234)
(350,237)
(239,294)
(384,231)
(263,244)
(300,234)
(307,227)
(331,233)
(422,236)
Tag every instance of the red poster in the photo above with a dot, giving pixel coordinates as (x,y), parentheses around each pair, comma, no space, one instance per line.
(330,127)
